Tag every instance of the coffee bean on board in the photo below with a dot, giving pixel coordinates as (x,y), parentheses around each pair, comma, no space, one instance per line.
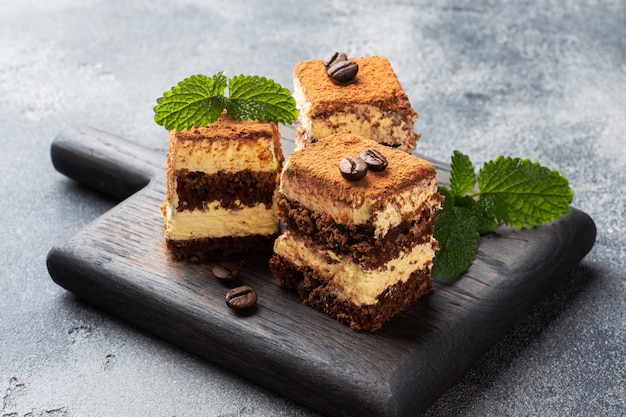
(375,160)
(353,168)
(334,57)
(241,298)
(343,71)
(226,271)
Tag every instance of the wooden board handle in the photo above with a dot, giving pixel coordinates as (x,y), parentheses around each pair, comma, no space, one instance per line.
(107,163)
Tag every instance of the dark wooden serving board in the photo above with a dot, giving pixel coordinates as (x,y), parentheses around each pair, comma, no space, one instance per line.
(119,263)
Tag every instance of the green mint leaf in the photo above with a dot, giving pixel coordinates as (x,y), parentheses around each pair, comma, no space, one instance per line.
(456,230)
(519,193)
(510,190)
(484,222)
(200,100)
(261,99)
(195,101)
(462,175)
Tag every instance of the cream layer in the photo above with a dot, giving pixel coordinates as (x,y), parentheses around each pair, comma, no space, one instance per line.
(348,280)
(392,214)
(215,222)
(363,119)
(304,107)
(225,155)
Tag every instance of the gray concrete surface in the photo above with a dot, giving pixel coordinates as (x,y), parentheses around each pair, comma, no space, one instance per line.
(540,79)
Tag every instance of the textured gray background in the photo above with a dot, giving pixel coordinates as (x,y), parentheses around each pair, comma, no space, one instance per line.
(539,79)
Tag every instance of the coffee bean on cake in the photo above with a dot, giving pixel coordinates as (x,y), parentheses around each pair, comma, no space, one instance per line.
(343,71)
(353,168)
(334,57)
(375,160)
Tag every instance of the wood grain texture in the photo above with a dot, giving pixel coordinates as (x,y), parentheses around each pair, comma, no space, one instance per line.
(119,263)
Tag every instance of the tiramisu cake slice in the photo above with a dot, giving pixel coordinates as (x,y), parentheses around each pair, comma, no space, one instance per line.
(359,250)
(372,105)
(222,186)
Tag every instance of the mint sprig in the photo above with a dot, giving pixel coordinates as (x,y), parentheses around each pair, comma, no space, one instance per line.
(199,100)
(511,191)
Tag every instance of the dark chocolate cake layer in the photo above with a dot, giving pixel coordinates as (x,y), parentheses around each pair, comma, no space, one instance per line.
(203,248)
(356,241)
(233,190)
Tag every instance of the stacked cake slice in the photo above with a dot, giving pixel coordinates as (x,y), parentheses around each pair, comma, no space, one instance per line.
(222,186)
(372,105)
(362,250)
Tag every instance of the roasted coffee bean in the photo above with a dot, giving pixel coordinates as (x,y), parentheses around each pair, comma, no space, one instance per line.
(353,168)
(343,71)
(334,57)
(375,160)
(241,298)
(226,271)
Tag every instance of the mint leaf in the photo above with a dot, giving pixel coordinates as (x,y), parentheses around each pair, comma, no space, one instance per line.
(257,98)
(457,233)
(199,100)
(484,222)
(510,190)
(520,193)
(462,175)
(195,101)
